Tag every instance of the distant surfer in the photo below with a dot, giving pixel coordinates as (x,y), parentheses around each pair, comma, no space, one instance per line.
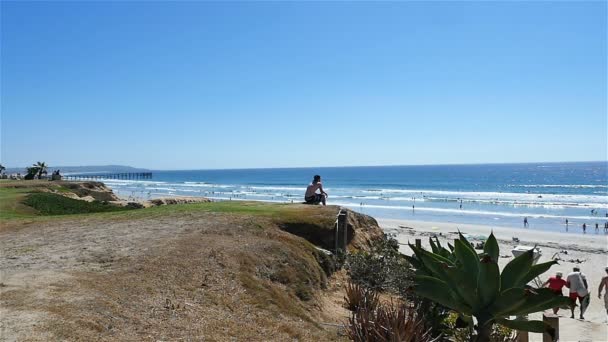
(525,222)
(311,196)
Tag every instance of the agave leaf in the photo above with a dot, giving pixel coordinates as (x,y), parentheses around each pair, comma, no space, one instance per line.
(417,264)
(468,259)
(539,300)
(440,292)
(516,270)
(451,247)
(433,262)
(537,270)
(434,247)
(463,286)
(508,301)
(466,242)
(437,242)
(531,326)
(444,252)
(421,251)
(488,282)
(491,247)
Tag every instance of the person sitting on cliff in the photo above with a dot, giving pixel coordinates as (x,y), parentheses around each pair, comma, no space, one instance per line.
(311,196)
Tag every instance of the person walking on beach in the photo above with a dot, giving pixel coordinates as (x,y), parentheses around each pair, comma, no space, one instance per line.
(311,196)
(604,284)
(597,227)
(556,284)
(584,228)
(566,224)
(525,222)
(579,289)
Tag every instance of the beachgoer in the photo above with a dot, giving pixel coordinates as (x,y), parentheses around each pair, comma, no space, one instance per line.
(584,228)
(311,196)
(597,227)
(525,222)
(566,223)
(577,282)
(556,284)
(604,284)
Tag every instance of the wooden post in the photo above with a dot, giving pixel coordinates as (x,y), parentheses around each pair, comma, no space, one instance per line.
(418,243)
(553,321)
(345,228)
(522,336)
(342,226)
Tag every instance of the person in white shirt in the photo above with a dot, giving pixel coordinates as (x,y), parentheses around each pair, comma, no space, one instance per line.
(604,284)
(577,282)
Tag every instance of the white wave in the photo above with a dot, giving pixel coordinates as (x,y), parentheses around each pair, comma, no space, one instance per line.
(207,185)
(131,181)
(471,212)
(513,196)
(574,186)
(276,188)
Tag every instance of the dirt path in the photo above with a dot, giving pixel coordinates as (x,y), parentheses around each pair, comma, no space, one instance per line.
(171,277)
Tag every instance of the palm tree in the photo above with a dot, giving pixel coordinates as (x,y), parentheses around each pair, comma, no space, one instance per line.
(41,168)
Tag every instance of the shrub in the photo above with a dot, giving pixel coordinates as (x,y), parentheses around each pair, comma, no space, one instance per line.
(382,269)
(53,204)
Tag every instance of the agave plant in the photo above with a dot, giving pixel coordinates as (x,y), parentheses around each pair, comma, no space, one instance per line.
(472,285)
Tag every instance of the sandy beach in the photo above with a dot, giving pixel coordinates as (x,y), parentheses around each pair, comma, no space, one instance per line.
(589,252)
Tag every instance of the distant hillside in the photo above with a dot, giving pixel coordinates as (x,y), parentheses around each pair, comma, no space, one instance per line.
(83,169)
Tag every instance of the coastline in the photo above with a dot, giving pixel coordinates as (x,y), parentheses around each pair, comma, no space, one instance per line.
(588,251)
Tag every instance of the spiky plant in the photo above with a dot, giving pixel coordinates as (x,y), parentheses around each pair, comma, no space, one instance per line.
(472,285)
(358,296)
(387,323)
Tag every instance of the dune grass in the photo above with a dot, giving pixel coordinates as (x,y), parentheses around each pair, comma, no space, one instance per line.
(52,204)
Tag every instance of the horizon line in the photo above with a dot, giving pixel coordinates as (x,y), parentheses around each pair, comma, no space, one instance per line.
(384,165)
(326,166)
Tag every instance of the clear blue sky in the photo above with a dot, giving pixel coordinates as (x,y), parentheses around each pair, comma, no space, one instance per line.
(228,85)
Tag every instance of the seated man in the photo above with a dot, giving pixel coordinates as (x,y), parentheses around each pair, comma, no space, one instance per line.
(311,196)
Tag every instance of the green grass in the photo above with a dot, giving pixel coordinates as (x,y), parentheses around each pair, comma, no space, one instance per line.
(52,204)
(11,206)
(15,205)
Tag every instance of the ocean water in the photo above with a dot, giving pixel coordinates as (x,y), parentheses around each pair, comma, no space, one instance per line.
(499,195)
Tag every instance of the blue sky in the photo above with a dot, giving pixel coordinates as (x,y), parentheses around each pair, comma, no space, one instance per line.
(192,85)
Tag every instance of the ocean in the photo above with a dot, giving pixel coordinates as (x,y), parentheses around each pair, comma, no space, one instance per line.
(498,195)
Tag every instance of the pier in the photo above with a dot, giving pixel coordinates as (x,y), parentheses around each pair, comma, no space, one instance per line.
(123,175)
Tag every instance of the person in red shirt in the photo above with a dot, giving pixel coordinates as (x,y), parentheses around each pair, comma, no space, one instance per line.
(556,284)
